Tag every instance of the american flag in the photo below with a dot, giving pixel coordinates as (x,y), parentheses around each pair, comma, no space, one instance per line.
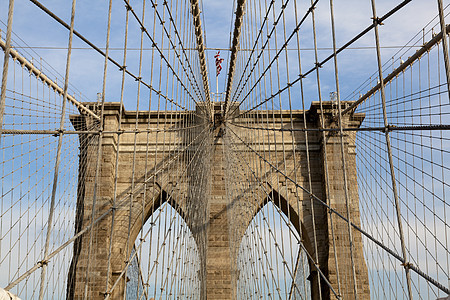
(218,62)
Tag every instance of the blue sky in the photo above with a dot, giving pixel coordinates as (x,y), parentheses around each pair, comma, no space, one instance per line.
(355,65)
(48,40)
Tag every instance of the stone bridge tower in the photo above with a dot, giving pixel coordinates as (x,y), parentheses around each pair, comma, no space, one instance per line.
(209,217)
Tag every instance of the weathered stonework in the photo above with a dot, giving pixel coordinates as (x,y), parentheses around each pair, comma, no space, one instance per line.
(212,218)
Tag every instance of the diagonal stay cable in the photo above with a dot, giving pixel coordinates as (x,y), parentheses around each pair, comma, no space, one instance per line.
(301,76)
(269,196)
(149,86)
(235,45)
(275,58)
(40,75)
(409,62)
(278,52)
(122,202)
(183,49)
(370,237)
(143,29)
(283,217)
(108,294)
(154,44)
(275,23)
(293,232)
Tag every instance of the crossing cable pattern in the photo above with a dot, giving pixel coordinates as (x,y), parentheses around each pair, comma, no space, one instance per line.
(81,175)
(167,246)
(265,82)
(416,96)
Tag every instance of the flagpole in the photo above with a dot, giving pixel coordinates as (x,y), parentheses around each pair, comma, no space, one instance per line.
(218,69)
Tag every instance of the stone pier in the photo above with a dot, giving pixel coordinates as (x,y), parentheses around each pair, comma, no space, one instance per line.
(214,217)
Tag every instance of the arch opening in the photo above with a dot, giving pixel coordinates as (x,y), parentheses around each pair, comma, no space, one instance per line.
(270,261)
(165,259)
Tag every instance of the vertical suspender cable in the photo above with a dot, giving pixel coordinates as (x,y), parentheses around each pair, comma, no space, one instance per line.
(319,92)
(99,151)
(6,64)
(116,170)
(444,44)
(136,127)
(389,150)
(145,172)
(306,134)
(58,158)
(344,160)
